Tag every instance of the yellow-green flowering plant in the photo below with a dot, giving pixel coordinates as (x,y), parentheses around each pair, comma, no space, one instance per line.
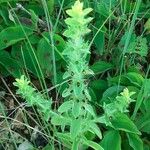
(76,112)
(119,105)
(75,117)
(33,97)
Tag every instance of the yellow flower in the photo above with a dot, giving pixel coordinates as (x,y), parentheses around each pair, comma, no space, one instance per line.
(22,82)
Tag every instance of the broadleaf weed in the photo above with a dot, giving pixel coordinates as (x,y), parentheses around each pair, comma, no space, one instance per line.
(75,116)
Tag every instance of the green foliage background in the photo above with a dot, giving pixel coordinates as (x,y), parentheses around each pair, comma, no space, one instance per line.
(32,43)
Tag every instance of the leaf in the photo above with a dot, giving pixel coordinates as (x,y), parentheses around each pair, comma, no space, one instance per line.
(45,52)
(65,138)
(92,144)
(99,84)
(3,71)
(143,48)
(90,109)
(60,120)
(135,78)
(12,35)
(75,128)
(23,53)
(101,66)
(128,79)
(146,103)
(50,5)
(76,109)
(34,38)
(10,64)
(111,139)
(95,129)
(99,42)
(137,45)
(143,122)
(111,93)
(104,9)
(34,19)
(66,93)
(100,37)
(90,135)
(122,80)
(147,25)
(143,93)
(135,142)
(65,106)
(59,44)
(11,17)
(5,15)
(101,119)
(92,95)
(124,123)
(97,88)
(138,102)
(146,88)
